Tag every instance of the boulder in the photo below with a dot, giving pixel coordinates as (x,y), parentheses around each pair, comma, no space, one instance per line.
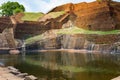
(22,75)
(14,51)
(11,68)
(15,72)
(31,77)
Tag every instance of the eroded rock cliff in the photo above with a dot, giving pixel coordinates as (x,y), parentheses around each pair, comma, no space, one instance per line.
(105,43)
(94,15)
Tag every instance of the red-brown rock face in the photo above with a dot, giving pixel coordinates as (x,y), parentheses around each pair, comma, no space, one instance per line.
(116,13)
(94,15)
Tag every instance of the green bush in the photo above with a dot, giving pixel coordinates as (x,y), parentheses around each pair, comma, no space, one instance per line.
(10,8)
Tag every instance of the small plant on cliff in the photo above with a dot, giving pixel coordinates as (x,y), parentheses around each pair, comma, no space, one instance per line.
(10,8)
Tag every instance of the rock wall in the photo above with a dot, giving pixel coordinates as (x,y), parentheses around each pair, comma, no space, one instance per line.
(5,22)
(66,7)
(115,7)
(94,15)
(28,28)
(7,33)
(3,42)
(7,39)
(32,28)
(80,41)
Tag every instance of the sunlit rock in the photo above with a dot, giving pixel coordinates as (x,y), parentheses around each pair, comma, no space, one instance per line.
(14,51)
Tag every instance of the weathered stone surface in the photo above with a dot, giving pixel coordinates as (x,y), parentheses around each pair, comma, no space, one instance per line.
(104,43)
(31,77)
(22,75)
(5,75)
(26,28)
(15,72)
(94,15)
(12,68)
(117,78)
(5,22)
(6,30)
(3,42)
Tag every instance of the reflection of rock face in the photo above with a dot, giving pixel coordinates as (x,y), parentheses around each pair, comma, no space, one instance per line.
(54,60)
(105,43)
(68,63)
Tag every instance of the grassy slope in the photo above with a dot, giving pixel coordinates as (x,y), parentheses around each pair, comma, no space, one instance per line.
(33,39)
(56,14)
(30,16)
(52,15)
(73,30)
(76,30)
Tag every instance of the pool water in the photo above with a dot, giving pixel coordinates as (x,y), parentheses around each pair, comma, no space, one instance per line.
(59,65)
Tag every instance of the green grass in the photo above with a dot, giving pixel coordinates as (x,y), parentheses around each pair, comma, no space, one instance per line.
(73,30)
(56,14)
(52,15)
(76,30)
(30,16)
(33,39)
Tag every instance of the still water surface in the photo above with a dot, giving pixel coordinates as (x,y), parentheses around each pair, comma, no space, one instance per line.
(59,65)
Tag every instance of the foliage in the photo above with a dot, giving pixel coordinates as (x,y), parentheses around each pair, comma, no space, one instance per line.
(17,10)
(29,16)
(10,8)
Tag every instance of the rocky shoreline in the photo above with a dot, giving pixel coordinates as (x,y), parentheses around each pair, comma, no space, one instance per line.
(68,50)
(11,73)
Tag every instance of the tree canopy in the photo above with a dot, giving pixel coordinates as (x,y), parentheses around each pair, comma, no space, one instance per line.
(10,8)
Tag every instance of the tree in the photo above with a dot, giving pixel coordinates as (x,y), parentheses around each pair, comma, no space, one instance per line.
(10,8)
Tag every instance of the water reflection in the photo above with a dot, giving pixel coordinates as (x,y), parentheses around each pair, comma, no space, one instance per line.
(59,65)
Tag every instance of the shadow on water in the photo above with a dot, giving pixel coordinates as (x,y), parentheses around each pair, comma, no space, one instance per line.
(58,65)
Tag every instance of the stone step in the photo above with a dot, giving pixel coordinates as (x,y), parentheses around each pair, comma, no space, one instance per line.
(117,78)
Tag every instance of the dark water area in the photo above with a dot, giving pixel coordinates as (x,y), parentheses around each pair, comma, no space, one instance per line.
(58,65)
